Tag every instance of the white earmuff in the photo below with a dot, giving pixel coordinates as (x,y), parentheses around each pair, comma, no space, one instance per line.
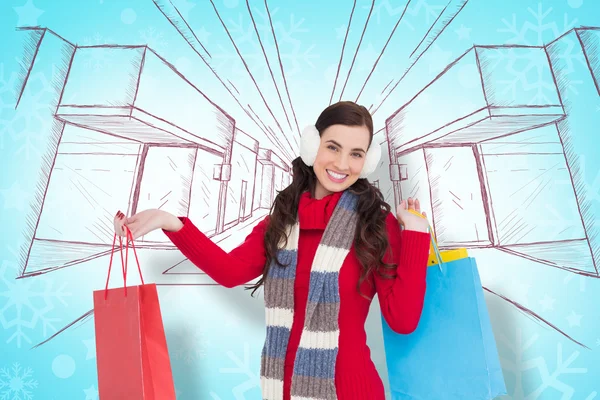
(309,145)
(371,160)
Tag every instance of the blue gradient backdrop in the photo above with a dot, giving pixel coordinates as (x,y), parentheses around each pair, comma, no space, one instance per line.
(215,334)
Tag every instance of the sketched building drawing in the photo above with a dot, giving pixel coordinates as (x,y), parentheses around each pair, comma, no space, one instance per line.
(492,162)
(273,175)
(579,128)
(490,156)
(496,145)
(115,145)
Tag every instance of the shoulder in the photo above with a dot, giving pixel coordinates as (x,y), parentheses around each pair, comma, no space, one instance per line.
(263,224)
(260,227)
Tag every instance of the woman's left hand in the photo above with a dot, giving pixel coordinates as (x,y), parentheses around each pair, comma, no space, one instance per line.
(411,221)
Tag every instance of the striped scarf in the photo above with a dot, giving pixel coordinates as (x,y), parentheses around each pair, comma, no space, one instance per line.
(314,366)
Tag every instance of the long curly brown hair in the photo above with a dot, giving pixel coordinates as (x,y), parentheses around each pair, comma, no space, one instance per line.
(370,241)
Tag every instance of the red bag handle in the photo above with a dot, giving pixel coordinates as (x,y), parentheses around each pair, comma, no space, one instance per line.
(123,261)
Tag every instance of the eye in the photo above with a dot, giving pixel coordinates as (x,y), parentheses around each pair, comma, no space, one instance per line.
(332,147)
(357,155)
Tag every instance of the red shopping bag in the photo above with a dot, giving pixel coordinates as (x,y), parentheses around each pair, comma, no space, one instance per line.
(131,348)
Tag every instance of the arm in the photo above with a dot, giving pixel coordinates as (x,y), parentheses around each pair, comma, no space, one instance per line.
(239,266)
(401,297)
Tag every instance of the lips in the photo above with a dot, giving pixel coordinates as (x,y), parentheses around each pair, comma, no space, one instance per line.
(336,177)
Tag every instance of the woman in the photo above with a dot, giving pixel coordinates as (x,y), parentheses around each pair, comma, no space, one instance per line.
(328,246)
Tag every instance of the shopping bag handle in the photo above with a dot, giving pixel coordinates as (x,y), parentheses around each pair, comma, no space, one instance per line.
(124,262)
(436,250)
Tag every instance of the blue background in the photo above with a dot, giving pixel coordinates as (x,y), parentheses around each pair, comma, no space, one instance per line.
(215,334)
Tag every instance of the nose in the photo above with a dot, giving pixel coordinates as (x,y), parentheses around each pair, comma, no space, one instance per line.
(342,163)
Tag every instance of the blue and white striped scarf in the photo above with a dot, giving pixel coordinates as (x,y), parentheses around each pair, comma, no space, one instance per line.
(314,366)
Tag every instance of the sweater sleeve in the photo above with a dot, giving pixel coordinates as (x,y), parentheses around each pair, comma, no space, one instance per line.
(401,297)
(229,269)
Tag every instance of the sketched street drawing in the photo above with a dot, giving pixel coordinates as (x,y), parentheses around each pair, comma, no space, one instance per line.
(499,167)
(497,161)
(114,149)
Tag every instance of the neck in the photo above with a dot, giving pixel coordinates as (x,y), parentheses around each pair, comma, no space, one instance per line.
(320,191)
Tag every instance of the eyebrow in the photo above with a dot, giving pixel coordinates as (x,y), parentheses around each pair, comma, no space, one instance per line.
(339,145)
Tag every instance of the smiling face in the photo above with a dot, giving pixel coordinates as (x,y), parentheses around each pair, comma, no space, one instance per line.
(340,158)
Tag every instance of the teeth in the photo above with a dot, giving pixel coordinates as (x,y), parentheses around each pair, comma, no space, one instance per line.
(336,175)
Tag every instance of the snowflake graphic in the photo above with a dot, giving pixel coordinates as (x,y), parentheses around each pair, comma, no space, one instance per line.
(521,72)
(91,393)
(16,383)
(538,31)
(155,40)
(190,349)
(99,58)
(25,304)
(429,11)
(33,118)
(568,52)
(420,12)
(294,55)
(526,71)
(520,369)
(242,367)
(8,98)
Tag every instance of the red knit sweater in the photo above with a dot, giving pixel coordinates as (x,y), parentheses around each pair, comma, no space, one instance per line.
(400,298)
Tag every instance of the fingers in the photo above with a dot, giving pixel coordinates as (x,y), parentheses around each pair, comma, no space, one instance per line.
(133,228)
(132,224)
(119,223)
(411,204)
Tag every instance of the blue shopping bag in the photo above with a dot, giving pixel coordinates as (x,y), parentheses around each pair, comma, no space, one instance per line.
(452,354)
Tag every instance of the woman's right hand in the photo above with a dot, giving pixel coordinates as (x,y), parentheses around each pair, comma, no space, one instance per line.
(145,222)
